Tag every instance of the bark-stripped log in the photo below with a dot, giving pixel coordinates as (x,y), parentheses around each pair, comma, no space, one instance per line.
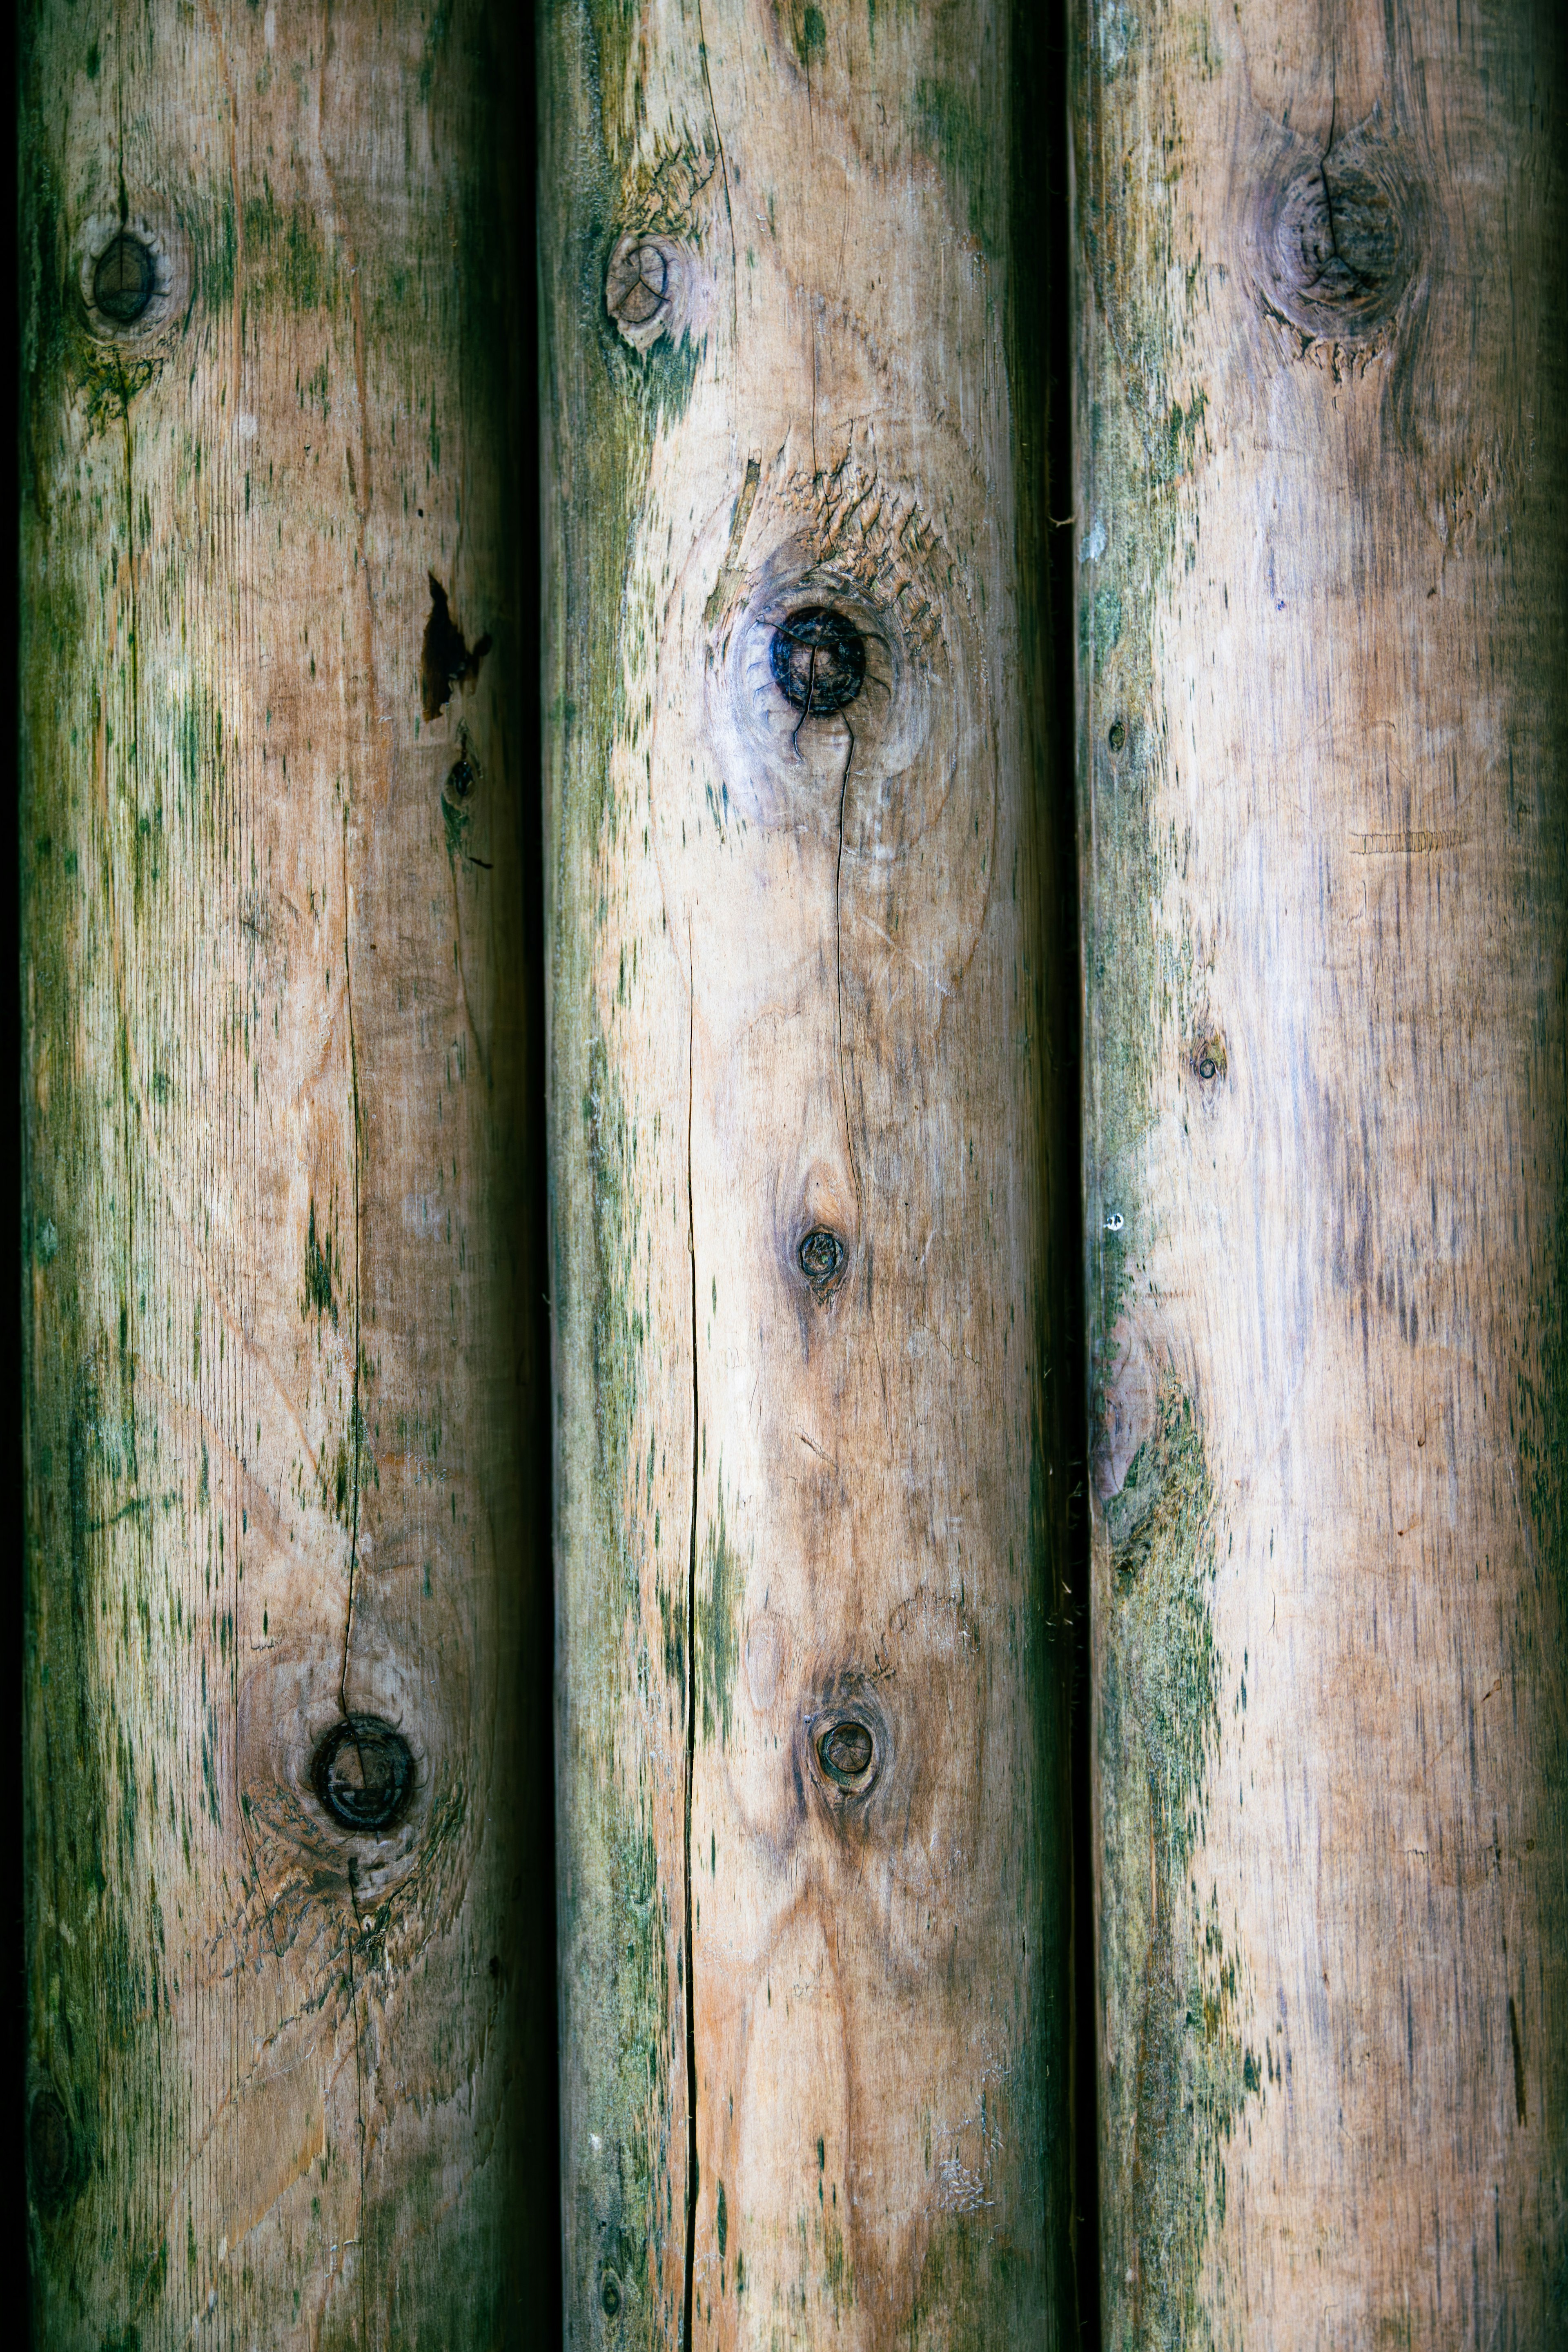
(272,979)
(813,1817)
(1321,484)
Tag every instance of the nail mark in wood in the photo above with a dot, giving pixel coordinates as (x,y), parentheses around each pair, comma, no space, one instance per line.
(363,1773)
(446,661)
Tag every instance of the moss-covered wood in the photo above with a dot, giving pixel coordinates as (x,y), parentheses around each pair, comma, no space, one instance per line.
(812,1814)
(272,1027)
(1320,484)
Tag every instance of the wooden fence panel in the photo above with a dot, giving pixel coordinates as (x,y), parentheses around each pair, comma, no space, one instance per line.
(1320,493)
(273,1111)
(812,1763)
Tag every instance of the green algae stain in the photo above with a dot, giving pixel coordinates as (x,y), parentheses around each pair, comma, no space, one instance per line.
(285,257)
(719,1585)
(1174,2099)
(948,127)
(322,1271)
(810,41)
(456,822)
(1099,625)
(216,243)
(436,34)
(1541,1407)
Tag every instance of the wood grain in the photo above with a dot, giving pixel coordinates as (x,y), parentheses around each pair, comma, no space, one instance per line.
(814,1994)
(1321,479)
(273,1025)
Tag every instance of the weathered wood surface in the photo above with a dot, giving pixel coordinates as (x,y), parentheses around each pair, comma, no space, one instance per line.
(1319,492)
(272,998)
(812,1803)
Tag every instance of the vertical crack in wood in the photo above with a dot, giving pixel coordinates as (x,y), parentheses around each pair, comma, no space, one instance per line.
(724,167)
(355,1416)
(365,2337)
(691,1671)
(838,962)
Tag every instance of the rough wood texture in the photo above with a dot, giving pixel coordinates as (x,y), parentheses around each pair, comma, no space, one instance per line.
(1321,483)
(273,1019)
(812,1796)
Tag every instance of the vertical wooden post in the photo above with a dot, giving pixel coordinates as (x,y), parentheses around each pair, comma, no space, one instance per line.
(272,1028)
(811,1759)
(1321,481)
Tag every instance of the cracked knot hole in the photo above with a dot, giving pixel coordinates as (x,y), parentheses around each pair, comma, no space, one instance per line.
(638,282)
(845,1752)
(821,1257)
(123,281)
(818,661)
(363,1773)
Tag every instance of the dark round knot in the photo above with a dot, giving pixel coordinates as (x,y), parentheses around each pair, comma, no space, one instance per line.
(610,2295)
(1209,1059)
(818,661)
(845,1751)
(124,279)
(636,286)
(363,1773)
(1341,236)
(820,1258)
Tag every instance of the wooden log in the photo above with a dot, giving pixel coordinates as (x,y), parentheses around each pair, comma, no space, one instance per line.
(273,1021)
(1320,475)
(811,1759)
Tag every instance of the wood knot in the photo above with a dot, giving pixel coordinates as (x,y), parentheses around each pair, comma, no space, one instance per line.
(818,661)
(134,276)
(845,1751)
(636,286)
(1338,238)
(653,287)
(1206,1058)
(124,279)
(822,1258)
(848,1744)
(363,1773)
